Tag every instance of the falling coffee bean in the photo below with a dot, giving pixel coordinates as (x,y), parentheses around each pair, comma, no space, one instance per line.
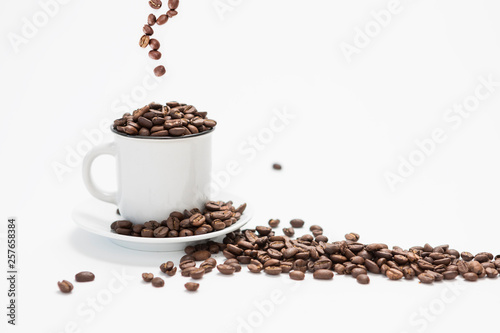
(144,41)
(160,70)
(151,19)
(147,30)
(173,4)
(155,55)
(154,43)
(277,166)
(155,4)
(162,19)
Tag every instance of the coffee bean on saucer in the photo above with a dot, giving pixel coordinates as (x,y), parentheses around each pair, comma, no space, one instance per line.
(65,286)
(84,277)
(192,286)
(158,282)
(154,43)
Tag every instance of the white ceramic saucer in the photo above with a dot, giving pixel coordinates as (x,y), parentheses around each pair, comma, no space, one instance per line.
(96,216)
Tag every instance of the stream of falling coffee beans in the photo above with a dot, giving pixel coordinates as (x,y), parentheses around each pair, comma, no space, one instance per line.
(147,40)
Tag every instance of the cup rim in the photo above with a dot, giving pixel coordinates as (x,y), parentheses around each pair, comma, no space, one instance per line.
(161,137)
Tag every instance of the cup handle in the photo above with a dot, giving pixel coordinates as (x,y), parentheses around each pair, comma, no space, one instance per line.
(104,149)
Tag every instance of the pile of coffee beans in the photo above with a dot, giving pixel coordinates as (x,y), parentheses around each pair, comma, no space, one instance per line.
(156,120)
(148,31)
(261,249)
(215,216)
(66,286)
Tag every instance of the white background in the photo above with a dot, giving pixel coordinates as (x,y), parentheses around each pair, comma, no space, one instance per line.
(352,121)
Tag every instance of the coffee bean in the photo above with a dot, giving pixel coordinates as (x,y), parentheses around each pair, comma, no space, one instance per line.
(470,276)
(160,70)
(363,279)
(65,286)
(481,257)
(156,55)
(475,267)
(151,19)
(273,223)
(467,256)
(323,274)
(197,273)
(144,41)
(155,4)
(192,286)
(160,232)
(173,4)
(254,268)
(352,237)
(147,277)
(201,255)
(273,270)
(264,231)
(162,19)
(225,269)
(123,231)
(289,232)
(84,277)
(147,30)
(158,282)
(154,43)
(491,272)
(426,278)
(394,274)
(297,275)
(297,223)
(277,166)
(147,233)
(171,13)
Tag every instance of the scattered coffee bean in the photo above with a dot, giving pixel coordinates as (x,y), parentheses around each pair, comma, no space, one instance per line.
(147,277)
(162,19)
(173,4)
(148,31)
(144,41)
(155,4)
(471,276)
(197,273)
(155,55)
(225,269)
(323,274)
(154,43)
(363,279)
(84,277)
(151,19)
(289,232)
(65,286)
(297,223)
(277,166)
(297,275)
(273,223)
(192,286)
(353,237)
(160,70)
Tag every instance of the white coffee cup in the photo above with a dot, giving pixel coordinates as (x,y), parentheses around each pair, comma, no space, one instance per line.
(156,176)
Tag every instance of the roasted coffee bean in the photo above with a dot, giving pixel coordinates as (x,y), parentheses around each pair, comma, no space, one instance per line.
(155,4)
(358,271)
(186,233)
(352,237)
(277,166)
(147,277)
(197,273)
(363,279)
(315,227)
(144,41)
(289,232)
(158,282)
(426,278)
(144,132)
(84,277)
(147,30)
(273,270)
(254,268)
(123,231)
(297,223)
(470,276)
(201,255)
(162,19)
(273,223)
(173,4)
(323,274)
(225,269)
(160,232)
(160,70)
(147,233)
(394,274)
(154,43)
(65,286)
(189,249)
(192,286)
(467,256)
(491,272)
(481,257)
(476,267)
(151,19)
(450,275)
(297,275)
(155,55)
(177,131)
(171,13)
(264,231)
